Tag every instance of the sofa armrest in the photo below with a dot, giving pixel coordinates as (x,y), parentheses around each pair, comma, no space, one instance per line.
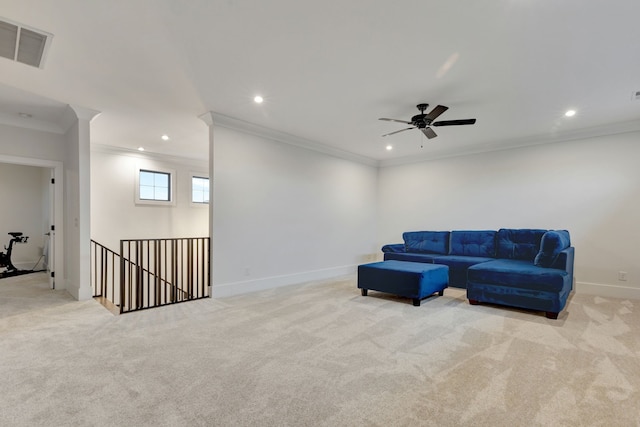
(395,248)
(565,260)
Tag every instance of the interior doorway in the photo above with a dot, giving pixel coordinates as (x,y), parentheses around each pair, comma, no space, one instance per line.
(32,193)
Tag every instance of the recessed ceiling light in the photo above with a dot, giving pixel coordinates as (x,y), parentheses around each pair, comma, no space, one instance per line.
(389,147)
(570,113)
(25,115)
(140,148)
(165,137)
(258,99)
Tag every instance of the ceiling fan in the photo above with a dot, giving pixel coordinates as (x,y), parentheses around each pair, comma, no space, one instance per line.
(424,121)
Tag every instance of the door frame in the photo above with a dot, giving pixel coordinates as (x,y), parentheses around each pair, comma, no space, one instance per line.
(56,200)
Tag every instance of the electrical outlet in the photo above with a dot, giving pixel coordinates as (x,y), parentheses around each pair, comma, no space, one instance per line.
(622,276)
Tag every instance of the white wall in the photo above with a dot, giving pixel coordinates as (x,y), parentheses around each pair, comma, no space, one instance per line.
(114,213)
(285,214)
(590,187)
(23,202)
(29,143)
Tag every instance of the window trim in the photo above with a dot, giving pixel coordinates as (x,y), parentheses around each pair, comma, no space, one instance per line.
(198,175)
(172,186)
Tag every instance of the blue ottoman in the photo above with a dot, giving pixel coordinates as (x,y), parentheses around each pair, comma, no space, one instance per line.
(413,280)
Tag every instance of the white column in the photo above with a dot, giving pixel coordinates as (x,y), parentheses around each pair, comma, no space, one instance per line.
(208,119)
(77,205)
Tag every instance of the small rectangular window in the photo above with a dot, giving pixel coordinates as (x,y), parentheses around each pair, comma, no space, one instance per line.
(199,189)
(155,185)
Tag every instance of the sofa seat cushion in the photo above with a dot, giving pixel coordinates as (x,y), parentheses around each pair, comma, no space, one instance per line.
(519,274)
(458,266)
(411,257)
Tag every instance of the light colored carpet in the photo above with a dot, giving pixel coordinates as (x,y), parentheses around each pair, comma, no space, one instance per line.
(315,355)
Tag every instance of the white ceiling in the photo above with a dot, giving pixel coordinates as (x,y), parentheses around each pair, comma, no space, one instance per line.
(329,69)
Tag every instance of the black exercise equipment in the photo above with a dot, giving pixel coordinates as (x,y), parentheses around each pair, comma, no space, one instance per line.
(5,258)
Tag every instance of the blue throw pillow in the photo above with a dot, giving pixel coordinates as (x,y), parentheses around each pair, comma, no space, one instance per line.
(553,242)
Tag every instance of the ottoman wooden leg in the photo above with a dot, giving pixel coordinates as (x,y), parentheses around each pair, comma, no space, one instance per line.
(364,292)
(551,315)
(474,302)
(441,293)
(416,302)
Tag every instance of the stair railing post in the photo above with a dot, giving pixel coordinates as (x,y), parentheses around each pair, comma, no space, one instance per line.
(122,277)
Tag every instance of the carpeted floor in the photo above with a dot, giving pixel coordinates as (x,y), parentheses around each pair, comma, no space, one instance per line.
(315,355)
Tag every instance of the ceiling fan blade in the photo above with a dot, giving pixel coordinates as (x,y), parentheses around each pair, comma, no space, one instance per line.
(398,131)
(429,133)
(436,112)
(395,120)
(454,122)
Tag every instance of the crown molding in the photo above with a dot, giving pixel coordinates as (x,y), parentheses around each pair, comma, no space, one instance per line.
(217,119)
(130,152)
(73,113)
(207,118)
(585,133)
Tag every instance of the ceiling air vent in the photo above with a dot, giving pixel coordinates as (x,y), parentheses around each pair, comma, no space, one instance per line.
(23,44)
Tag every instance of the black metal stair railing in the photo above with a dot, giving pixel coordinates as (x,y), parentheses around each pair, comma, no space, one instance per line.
(151,272)
(105,273)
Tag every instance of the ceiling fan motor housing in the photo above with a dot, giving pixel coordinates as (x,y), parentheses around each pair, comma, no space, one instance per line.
(420,121)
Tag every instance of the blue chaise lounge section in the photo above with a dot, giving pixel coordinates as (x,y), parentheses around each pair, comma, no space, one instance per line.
(532,276)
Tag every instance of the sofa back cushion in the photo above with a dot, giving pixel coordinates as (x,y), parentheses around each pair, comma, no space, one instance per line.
(473,243)
(522,244)
(428,242)
(553,242)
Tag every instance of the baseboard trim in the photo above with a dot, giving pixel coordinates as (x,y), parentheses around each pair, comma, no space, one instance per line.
(238,288)
(603,290)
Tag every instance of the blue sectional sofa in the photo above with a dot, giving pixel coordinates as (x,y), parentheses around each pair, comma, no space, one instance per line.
(525,268)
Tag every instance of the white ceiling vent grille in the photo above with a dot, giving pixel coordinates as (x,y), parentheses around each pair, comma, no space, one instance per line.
(23,44)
